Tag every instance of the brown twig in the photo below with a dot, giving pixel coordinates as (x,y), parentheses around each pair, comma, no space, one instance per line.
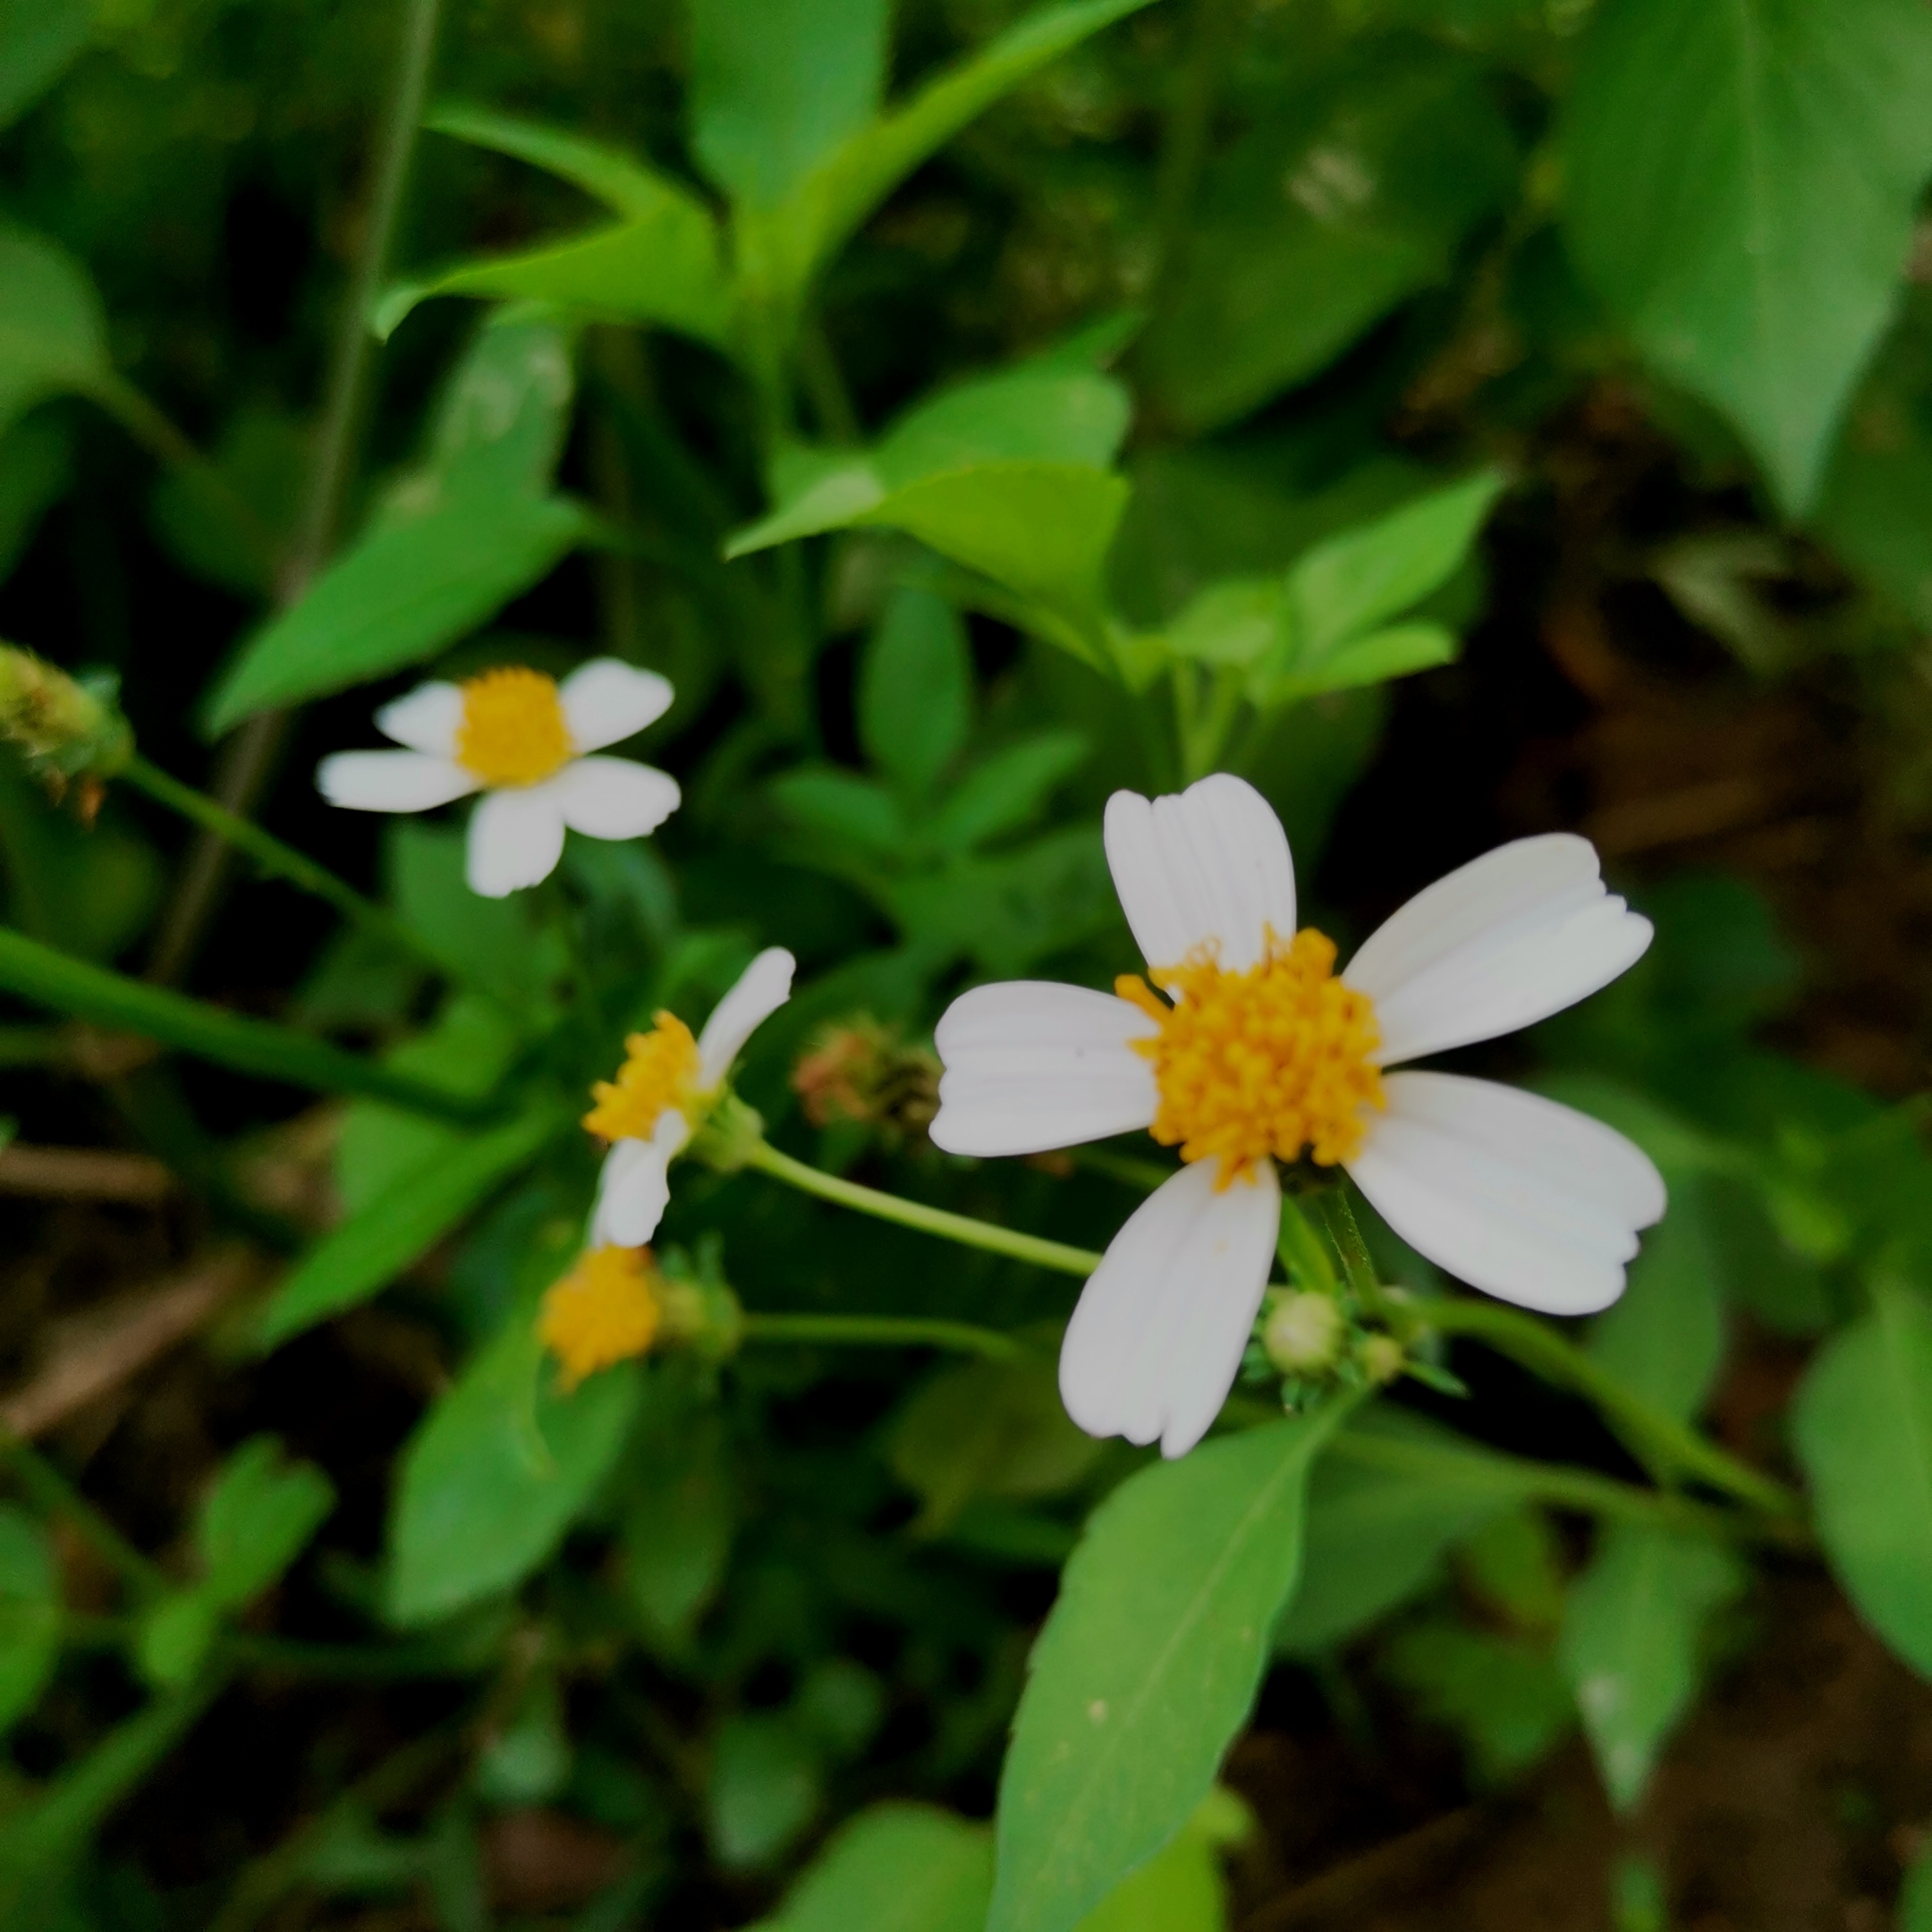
(83,1173)
(98,1351)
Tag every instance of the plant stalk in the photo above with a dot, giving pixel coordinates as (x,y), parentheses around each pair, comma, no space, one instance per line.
(885,1331)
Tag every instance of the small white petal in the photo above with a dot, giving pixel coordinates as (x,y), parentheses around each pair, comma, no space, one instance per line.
(391,781)
(1162,1324)
(606,700)
(1031,1065)
(634,1189)
(1501,943)
(1209,863)
(614,798)
(762,989)
(1527,1200)
(516,837)
(425,719)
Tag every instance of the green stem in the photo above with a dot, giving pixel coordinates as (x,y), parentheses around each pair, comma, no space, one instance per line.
(885,1331)
(1357,1265)
(50,1492)
(960,1228)
(56,979)
(278,859)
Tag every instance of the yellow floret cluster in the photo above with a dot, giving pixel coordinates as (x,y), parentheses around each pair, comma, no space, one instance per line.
(604,1311)
(512,731)
(660,1071)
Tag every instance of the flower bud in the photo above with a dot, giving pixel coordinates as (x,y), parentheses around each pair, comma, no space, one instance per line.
(67,727)
(1382,1359)
(860,1072)
(1302,1334)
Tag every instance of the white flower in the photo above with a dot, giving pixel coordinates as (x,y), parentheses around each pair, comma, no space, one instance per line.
(522,739)
(668,1082)
(1263,1055)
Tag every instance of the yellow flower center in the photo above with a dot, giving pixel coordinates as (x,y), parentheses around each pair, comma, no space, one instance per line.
(1267,1062)
(512,731)
(660,1071)
(605,1311)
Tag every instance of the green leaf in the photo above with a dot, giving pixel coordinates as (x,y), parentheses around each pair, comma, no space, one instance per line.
(497,1472)
(38,38)
(764,1788)
(36,471)
(29,1614)
(1739,186)
(987,1429)
(677,1527)
(1631,1641)
(1863,1426)
(1915,1895)
(1398,651)
(87,889)
(1005,791)
(1513,1565)
(777,85)
(262,463)
(623,184)
(404,1221)
(53,330)
(47,978)
(894,1868)
(1349,197)
(840,805)
(915,690)
(495,943)
(1504,1696)
(1146,1667)
(1181,1890)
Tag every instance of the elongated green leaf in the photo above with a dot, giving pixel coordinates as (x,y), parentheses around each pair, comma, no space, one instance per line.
(403,592)
(53,331)
(1182,1889)
(38,39)
(1630,1639)
(894,1868)
(1740,187)
(1398,651)
(258,1519)
(29,1614)
(677,1530)
(916,689)
(415,1210)
(1504,1696)
(38,973)
(1862,1426)
(497,1473)
(1146,1668)
(623,183)
(1006,790)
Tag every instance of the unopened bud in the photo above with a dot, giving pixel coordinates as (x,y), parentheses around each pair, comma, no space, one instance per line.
(1382,1359)
(860,1072)
(1302,1334)
(67,727)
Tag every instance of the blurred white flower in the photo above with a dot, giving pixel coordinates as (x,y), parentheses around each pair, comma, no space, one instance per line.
(522,739)
(668,1082)
(1263,1055)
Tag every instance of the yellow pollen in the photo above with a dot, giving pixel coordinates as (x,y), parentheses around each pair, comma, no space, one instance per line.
(1267,1062)
(604,1311)
(660,1071)
(512,731)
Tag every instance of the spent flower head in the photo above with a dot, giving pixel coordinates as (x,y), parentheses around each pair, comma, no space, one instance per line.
(67,727)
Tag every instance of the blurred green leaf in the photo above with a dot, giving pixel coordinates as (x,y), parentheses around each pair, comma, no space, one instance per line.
(53,330)
(412,1211)
(764,1788)
(497,1472)
(987,1429)
(1181,1889)
(1514,1563)
(29,1614)
(1915,1895)
(36,471)
(1739,186)
(1349,197)
(840,805)
(87,889)
(915,690)
(678,1523)
(261,464)
(1631,1643)
(37,40)
(529,1760)
(495,943)
(1004,791)
(1863,1426)
(894,1868)
(1146,1667)
(1504,1696)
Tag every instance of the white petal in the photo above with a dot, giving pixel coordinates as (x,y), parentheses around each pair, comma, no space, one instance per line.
(1210,863)
(424,719)
(606,700)
(1031,1065)
(1501,943)
(634,1188)
(1155,1343)
(391,781)
(1530,1201)
(762,989)
(614,798)
(516,837)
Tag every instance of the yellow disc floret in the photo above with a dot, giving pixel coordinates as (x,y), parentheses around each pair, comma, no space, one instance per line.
(660,1071)
(513,731)
(605,1311)
(1272,1061)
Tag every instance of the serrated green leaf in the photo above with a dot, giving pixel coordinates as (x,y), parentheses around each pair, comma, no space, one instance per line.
(1739,186)
(420,1206)
(1863,1426)
(1145,1668)
(53,329)
(497,1472)
(1630,1640)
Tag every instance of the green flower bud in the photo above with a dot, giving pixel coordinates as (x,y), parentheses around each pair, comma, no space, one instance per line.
(67,727)
(1302,1334)
(1382,1359)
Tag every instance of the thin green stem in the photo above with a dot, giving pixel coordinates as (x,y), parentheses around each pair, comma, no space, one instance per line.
(1183,157)
(50,1492)
(885,1331)
(1357,1265)
(953,1227)
(279,861)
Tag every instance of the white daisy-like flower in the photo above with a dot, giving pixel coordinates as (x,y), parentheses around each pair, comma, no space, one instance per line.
(668,1083)
(1263,1055)
(524,741)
